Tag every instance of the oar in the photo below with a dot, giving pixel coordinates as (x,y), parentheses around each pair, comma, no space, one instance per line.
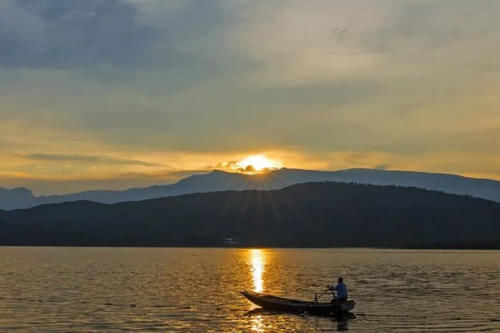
(316,298)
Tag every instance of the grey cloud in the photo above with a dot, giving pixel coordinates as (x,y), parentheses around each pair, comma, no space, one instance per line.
(429,26)
(72,33)
(88,159)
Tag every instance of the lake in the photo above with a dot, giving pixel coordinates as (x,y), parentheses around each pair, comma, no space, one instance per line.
(61,289)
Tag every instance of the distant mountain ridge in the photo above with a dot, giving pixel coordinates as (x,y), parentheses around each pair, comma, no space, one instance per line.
(322,214)
(16,198)
(222,181)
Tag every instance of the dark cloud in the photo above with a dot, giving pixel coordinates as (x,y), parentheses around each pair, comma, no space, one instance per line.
(72,33)
(88,159)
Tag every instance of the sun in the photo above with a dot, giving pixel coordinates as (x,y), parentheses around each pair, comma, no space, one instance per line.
(257,164)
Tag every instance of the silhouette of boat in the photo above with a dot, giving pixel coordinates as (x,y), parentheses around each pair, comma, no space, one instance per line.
(274,303)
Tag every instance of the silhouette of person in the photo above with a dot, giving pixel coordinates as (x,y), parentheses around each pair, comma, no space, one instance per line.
(341,290)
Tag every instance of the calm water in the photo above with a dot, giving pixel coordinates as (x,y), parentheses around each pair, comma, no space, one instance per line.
(193,289)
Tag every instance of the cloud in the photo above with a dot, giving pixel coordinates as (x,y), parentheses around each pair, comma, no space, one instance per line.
(88,159)
(404,82)
(72,33)
(299,43)
(234,166)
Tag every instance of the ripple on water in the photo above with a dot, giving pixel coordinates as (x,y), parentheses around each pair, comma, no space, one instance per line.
(134,289)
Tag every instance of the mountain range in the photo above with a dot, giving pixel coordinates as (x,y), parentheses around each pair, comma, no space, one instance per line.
(323,214)
(223,181)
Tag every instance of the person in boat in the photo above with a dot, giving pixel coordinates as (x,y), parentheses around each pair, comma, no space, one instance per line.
(341,290)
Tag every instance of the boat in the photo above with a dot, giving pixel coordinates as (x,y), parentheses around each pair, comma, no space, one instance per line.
(275,303)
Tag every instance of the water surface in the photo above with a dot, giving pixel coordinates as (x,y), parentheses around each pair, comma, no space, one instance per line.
(196,289)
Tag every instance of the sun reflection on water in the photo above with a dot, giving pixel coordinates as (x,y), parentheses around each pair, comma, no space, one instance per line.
(257,260)
(257,265)
(257,324)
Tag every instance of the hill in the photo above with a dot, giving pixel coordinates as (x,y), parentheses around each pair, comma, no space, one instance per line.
(223,181)
(19,197)
(303,215)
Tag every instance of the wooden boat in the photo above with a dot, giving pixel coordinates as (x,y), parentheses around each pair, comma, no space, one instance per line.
(274,303)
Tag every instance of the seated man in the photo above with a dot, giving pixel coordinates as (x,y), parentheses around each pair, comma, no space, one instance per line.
(341,290)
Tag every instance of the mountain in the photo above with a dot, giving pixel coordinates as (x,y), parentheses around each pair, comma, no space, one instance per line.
(222,181)
(303,215)
(19,197)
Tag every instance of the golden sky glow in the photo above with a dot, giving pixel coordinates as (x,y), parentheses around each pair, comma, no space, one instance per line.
(393,84)
(253,164)
(258,163)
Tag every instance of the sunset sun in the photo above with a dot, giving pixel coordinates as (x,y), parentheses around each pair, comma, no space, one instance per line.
(257,163)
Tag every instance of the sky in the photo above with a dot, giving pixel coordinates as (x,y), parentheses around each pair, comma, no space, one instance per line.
(125,93)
